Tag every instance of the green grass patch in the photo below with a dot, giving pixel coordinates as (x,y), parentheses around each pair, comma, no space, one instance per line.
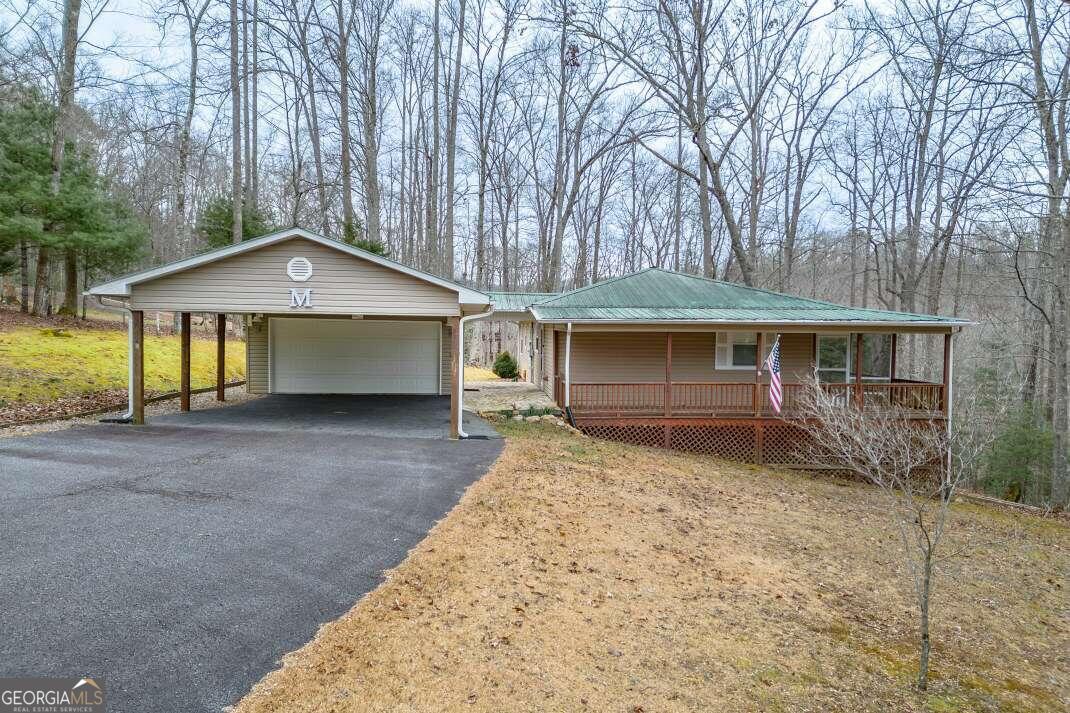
(38,365)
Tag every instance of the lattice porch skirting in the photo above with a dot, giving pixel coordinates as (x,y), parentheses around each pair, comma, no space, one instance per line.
(769,441)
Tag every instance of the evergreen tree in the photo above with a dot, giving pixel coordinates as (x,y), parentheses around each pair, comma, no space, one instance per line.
(216,220)
(505,366)
(369,245)
(81,217)
(354,235)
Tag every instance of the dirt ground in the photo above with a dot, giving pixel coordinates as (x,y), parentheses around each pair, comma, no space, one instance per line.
(500,395)
(581,575)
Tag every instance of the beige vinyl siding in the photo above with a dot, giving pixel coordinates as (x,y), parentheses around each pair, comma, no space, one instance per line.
(257,282)
(611,358)
(445,381)
(796,351)
(547,366)
(256,358)
(693,359)
(639,358)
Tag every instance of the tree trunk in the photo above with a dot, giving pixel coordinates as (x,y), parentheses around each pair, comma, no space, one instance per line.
(41,306)
(24,276)
(349,228)
(923,604)
(70,283)
(678,198)
(254,173)
(369,103)
(236,193)
(431,226)
(246,146)
(72,10)
(314,128)
(709,269)
(183,226)
(451,153)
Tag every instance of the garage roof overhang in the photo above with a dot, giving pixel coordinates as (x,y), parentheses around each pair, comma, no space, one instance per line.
(121,286)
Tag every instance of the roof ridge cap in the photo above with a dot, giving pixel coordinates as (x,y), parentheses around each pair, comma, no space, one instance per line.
(611,280)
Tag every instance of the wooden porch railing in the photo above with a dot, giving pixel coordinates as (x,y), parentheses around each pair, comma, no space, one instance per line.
(699,399)
(696,398)
(618,399)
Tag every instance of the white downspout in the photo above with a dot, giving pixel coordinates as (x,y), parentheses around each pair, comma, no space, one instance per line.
(568,365)
(129,317)
(460,367)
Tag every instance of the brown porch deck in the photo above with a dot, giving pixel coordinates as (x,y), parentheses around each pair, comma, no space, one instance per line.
(730,420)
(706,400)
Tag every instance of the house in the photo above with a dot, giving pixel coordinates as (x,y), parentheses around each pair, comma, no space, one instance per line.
(666,359)
(655,357)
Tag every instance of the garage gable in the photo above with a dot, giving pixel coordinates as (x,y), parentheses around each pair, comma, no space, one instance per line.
(299,276)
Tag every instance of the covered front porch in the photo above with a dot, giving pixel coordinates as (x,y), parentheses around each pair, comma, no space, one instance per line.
(860,368)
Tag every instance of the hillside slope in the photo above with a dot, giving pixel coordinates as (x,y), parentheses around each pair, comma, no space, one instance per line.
(586,575)
(55,366)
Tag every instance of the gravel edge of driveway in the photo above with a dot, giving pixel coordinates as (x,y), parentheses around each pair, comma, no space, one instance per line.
(234,394)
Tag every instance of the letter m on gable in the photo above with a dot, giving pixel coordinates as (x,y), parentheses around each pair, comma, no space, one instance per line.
(300,298)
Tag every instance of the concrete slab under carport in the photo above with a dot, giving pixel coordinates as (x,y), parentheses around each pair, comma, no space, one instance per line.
(181,559)
(383,416)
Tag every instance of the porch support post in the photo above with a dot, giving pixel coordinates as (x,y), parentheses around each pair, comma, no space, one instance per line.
(568,366)
(758,378)
(858,370)
(895,348)
(949,381)
(455,377)
(220,356)
(668,374)
(183,387)
(137,361)
(945,393)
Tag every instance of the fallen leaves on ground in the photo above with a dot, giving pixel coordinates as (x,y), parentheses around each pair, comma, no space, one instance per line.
(66,406)
(581,575)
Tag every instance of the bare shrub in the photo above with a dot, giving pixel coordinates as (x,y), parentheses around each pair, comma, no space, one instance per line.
(918,463)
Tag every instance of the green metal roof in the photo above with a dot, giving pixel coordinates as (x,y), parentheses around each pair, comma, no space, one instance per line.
(517,301)
(656,295)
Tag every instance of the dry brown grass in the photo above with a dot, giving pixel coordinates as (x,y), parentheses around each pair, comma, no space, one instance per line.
(583,575)
(478,373)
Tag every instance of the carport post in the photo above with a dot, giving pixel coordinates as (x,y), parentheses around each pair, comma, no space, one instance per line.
(455,377)
(183,387)
(220,356)
(137,361)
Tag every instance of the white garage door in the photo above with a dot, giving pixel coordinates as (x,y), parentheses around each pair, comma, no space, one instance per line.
(335,356)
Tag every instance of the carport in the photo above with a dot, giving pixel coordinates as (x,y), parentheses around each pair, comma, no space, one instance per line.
(320,316)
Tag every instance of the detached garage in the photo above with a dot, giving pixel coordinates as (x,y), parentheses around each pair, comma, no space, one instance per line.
(321,317)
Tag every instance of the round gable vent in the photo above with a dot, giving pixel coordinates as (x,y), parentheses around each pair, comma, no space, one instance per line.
(299,269)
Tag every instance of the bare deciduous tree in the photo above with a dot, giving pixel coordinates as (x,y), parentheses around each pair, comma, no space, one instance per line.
(917,464)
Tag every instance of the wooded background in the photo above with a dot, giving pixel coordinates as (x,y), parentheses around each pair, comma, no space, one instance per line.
(908,155)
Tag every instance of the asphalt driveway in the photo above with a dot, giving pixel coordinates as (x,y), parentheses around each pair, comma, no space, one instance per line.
(180,560)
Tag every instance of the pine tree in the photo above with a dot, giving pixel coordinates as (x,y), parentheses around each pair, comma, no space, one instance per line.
(215,223)
(81,217)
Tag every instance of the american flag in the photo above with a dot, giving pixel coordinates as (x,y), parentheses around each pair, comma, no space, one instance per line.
(776,390)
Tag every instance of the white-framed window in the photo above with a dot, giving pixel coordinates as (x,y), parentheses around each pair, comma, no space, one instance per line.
(836,357)
(738,351)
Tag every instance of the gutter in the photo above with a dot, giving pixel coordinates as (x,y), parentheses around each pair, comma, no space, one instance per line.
(460,381)
(744,323)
